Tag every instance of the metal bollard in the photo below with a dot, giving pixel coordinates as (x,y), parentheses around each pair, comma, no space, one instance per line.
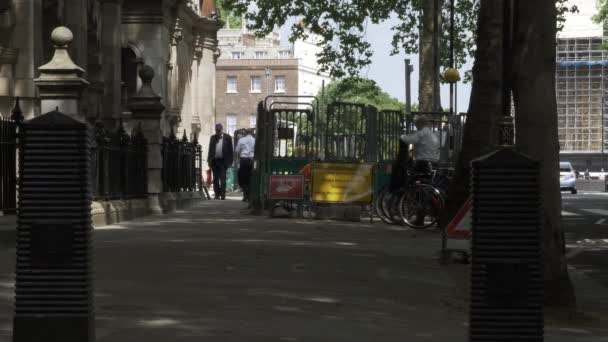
(506,261)
(54,292)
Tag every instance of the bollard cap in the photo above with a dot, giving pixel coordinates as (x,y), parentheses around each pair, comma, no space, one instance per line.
(62,36)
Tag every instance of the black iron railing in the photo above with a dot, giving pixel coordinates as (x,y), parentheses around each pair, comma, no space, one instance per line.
(119,163)
(182,162)
(8,160)
(8,165)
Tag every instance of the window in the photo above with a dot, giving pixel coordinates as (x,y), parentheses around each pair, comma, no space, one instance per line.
(253,120)
(237,55)
(279,84)
(231,84)
(261,54)
(231,124)
(256,84)
(284,54)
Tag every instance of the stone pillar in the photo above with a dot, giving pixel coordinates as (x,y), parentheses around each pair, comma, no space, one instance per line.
(174,96)
(194,83)
(147,108)
(27,41)
(206,88)
(60,83)
(111,42)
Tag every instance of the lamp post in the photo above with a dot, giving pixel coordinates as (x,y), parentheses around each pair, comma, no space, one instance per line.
(408,86)
(267,73)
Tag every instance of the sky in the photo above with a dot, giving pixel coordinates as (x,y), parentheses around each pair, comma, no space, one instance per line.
(389,71)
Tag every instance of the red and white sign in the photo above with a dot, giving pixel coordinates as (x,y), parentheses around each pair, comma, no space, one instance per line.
(286,187)
(460,226)
(459,229)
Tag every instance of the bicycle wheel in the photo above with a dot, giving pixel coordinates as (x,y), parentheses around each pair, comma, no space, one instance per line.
(419,206)
(386,206)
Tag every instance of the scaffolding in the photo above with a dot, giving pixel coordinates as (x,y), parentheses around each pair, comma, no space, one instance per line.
(581,88)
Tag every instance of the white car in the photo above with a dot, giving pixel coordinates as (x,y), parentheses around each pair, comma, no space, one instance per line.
(567,177)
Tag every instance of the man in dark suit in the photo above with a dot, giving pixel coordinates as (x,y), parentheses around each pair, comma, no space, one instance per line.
(220,158)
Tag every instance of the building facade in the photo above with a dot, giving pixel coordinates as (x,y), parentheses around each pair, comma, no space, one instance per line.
(113,39)
(581,89)
(250,69)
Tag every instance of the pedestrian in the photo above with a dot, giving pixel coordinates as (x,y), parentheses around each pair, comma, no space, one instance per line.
(587,176)
(245,148)
(220,157)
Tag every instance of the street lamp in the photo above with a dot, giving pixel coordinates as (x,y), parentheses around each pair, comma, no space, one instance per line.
(408,92)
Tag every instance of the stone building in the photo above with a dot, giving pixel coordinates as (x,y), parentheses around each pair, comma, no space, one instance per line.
(112,40)
(250,69)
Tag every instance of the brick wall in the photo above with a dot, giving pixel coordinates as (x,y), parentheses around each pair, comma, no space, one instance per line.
(244,102)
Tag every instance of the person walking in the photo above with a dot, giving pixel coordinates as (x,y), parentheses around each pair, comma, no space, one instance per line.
(245,148)
(220,157)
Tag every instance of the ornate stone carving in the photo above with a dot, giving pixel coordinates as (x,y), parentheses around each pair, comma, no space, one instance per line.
(197,46)
(177,32)
(194,5)
(216,54)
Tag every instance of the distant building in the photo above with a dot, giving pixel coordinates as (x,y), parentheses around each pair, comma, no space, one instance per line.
(249,69)
(581,88)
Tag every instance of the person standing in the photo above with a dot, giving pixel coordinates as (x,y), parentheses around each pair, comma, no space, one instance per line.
(245,148)
(220,157)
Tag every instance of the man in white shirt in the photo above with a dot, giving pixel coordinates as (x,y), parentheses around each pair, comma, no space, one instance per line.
(245,148)
(426,144)
(426,152)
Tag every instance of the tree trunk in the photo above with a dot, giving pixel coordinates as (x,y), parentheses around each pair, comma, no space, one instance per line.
(536,131)
(428,98)
(481,130)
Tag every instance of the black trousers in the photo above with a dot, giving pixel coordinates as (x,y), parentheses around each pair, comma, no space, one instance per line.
(219,177)
(245,169)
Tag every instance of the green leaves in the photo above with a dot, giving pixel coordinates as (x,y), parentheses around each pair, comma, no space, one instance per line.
(602,11)
(361,90)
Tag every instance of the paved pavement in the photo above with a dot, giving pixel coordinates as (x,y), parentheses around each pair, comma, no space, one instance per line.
(585,218)
(213,273)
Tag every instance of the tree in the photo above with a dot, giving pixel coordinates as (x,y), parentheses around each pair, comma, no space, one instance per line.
(363,91)
(533,79)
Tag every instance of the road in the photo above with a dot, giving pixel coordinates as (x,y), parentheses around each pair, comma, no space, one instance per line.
(585,218)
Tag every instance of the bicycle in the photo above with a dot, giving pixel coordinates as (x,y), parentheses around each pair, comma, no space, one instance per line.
(418,204)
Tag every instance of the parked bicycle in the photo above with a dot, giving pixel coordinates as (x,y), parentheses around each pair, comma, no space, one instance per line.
(419,202)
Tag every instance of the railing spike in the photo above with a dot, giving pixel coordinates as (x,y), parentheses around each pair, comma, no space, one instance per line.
(184,137)
(17,113)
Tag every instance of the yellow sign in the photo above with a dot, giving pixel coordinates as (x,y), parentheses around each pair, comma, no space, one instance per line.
(342,183)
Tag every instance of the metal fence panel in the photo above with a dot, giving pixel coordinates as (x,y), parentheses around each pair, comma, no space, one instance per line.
(345,132)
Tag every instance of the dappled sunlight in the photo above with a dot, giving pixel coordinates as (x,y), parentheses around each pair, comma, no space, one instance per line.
(345,243)
(159,323)
(293,296)
(111,227)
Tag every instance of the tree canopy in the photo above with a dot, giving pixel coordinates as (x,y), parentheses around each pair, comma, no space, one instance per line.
(232,20)
(361,90)
(602,11)
(342,26)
